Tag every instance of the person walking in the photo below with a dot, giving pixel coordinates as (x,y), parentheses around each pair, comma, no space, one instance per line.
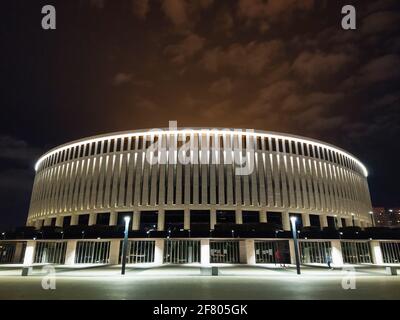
(329,260)
(278,257)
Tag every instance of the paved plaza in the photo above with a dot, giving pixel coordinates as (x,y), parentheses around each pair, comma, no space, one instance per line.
(174,282)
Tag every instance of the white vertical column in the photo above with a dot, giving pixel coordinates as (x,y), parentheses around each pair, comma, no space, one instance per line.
(18,252)
(349,222)
(70,252)
(74,219)
(337,256)
(186,219)
(114,251)
(323,221)
(263,216)
(238,216)
(161,220)
(292,252)
(376,251)
(205,252)
(59,221)
(159,251)
(29,252)
(285,221)
(338,222)
(113,218)
(305,217)
(136,220)
(250,252)
(213,218)
(38,224)
(92,219)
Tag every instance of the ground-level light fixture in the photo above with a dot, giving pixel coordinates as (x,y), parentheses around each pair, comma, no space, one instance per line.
(296,245)
(125,243)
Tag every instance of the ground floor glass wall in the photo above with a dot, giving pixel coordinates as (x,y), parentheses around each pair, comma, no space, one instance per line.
(92,252)
(315,251)
(224,251)
(181,251)
(7,251)
(50,252)
(356,252)
(272,251)
(139,251)
(390,252)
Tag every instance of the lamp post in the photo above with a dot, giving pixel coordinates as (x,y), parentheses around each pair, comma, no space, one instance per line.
(372,218)
(352,219)
(296,245)
(125,243)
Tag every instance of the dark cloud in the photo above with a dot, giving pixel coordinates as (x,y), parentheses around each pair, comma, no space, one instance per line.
(250,58)
(312,66)
(189,46)
(141,8)
(175,10)
(99,4)
(381,21)
(184,14)
(121,78)
(16,178)
(14,149)
(384,68)
(223,86)
(272,9)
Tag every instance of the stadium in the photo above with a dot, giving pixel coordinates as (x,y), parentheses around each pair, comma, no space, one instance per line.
(199,196)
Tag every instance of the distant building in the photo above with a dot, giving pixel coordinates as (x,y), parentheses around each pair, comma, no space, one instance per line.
(386,217)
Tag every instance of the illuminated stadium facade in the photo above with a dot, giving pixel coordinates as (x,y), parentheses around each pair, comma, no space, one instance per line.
(199,196)
(198,169)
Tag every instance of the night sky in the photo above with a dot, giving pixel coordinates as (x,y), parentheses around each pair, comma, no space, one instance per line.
(280,65)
